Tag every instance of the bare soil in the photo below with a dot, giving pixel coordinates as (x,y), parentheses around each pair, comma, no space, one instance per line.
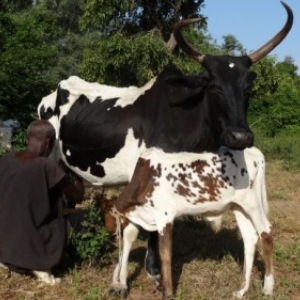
(205,265)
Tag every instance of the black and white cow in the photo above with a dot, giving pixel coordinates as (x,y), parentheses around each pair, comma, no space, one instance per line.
(165,186)
(102,130)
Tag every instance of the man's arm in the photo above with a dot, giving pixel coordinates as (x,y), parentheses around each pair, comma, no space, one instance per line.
(71,185)
(72,188)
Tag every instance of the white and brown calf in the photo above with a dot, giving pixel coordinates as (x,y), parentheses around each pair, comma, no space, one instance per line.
(166,186)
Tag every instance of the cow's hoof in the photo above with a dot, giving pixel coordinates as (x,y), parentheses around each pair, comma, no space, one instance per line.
(159,288)
(238,294)
(268,292)
(168,297)
(154,278)
(118,290)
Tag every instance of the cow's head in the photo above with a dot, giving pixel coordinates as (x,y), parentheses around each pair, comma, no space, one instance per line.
(227,84)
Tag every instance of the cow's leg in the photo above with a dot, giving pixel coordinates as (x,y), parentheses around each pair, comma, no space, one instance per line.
(119,283)
(165,252)
(152,261)
(264,229)
(250,238)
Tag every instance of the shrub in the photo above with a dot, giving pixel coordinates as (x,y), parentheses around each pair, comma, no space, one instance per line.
(93,241)
(283,146)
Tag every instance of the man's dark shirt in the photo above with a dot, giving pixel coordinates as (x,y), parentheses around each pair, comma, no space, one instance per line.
(32,228)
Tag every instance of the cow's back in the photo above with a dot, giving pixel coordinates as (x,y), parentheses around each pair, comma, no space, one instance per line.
(95,128)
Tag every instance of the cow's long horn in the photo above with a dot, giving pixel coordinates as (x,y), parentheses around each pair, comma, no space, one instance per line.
(277,39)
(183,44)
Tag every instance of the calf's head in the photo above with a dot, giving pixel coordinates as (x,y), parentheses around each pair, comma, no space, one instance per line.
(106,207)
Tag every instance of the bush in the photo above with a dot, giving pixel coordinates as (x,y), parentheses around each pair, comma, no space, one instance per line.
(17,142)
(93,241)
(283,146)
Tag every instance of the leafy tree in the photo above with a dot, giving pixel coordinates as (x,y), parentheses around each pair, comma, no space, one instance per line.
(284,109)
(288,66)
(231,45)
(278,108)
(132,37)
(122,61)
(66,13)
(135,16)
(267,79)
(39,49)
(14,5)
(119,43)
(24,60)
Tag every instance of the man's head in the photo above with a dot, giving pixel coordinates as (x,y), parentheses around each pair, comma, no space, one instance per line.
(40,137)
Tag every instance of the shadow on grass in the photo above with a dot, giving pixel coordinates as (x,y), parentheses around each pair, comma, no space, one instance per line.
(194,239)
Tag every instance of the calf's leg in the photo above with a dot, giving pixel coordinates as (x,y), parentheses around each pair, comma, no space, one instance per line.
(255,219)
(165,252)
(267,246)
(250,238)
(119,283)
(264,229)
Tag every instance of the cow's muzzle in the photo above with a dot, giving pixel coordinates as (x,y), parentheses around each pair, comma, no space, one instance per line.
(239,139)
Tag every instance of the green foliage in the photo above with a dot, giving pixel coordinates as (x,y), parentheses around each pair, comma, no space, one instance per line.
(3,151)
(123,61)
(231,45)
(65,13)
(37,52)
(105,16)
(284,146)
(19,140)
(132,17)
(14,5)
(287,66)
(267,79)
(93,241)
(124,43)
(24,60)
(280,111)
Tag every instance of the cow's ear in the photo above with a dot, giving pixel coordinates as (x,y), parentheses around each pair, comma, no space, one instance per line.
(182,88)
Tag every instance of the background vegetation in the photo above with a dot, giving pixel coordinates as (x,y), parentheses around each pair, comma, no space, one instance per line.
(126,43)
